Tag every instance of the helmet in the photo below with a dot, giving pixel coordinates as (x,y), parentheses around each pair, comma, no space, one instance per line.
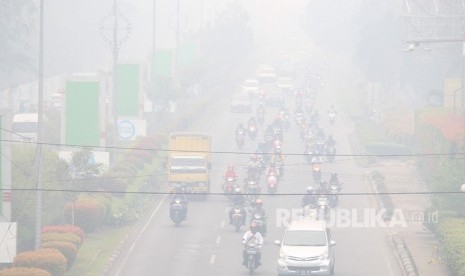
(254,227)
(237,190)
(259,202)
(309,190)
(333,174)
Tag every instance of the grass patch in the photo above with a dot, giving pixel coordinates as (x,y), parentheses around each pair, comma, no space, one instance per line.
(97,250)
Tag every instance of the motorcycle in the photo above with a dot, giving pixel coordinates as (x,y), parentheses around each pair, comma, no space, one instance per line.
(260,222)
(240,139)
(252,130)
(251,248)
(331,117)
(237,218)
(316,169)
(272,183)
(229,186)
(331,153)
(177,212)
(252,190)
(334,190)
(323,207)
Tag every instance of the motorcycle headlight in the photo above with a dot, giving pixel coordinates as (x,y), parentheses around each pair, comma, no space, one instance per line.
(324,255)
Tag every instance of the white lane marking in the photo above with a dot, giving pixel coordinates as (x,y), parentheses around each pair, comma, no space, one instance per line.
(222,224)
(218,240)
(212,259)
(140,234)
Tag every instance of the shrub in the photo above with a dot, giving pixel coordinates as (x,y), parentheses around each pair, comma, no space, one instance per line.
(61,237)
(450,232)
(24,271)
(68,249)
(115,181)
(47,258)
(68,228)
(89,213)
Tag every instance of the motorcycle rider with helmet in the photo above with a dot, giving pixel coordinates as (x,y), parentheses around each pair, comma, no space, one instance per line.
(258,209)
(230,172)
(334,179)
(310,198)
(253,233)
(238,201)
(179,195)
(240,129)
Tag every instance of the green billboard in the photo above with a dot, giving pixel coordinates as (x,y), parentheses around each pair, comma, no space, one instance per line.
(188,53)
(82,125)
(127,90)
(163,64)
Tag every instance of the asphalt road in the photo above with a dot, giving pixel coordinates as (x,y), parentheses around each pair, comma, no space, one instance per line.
(206,244)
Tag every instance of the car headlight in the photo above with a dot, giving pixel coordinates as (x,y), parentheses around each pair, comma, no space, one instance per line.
(324,255)
(282,255)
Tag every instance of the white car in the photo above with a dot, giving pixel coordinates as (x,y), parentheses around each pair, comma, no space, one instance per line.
(306,249)
(286,84)
(251,87)
(241,103)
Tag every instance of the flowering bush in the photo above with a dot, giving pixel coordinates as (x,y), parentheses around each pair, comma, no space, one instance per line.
(88,212)
(49,259)
(68,249)
(61,237)
(24,271)
(68,228)
(400,126)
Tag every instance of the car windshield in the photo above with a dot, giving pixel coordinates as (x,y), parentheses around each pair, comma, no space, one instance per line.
(305,238)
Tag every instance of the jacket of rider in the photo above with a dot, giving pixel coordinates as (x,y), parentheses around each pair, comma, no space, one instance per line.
(249,235)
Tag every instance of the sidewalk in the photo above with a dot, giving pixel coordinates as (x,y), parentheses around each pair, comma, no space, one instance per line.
(401,176)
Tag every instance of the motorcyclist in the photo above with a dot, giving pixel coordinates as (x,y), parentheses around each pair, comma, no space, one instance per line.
(238,197)
(230,172)
(323,189)
(179,195)
(240,129)
(258,209)
(243,212)
(332,110)
(253,165)
(253,233)
(309,198)
(252,122)
(277,156)
(330,142)
(334,179)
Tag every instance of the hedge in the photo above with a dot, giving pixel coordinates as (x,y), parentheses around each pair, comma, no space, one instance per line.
(452,235)
(89,213)
(68,249)
(24,271)
(47,258)
(67,228)
(62,237)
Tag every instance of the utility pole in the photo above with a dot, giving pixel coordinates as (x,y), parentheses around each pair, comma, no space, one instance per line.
(177,40)
(40,129)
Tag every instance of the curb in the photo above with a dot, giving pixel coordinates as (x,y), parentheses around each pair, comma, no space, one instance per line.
(408,264)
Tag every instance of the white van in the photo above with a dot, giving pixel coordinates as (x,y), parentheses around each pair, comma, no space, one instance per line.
(306,249)
(25,127)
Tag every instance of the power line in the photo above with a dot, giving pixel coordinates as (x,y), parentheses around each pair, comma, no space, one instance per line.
(236,152)
(245,194)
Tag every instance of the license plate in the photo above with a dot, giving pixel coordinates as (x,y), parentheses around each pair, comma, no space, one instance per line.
(304,272)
